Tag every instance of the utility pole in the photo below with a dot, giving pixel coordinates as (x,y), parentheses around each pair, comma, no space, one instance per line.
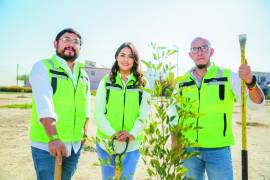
(17,73)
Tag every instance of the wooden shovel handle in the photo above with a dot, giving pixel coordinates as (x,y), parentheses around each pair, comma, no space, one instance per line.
(58,168)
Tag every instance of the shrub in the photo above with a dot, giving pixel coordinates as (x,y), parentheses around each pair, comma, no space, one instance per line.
(165,161)
(15,89)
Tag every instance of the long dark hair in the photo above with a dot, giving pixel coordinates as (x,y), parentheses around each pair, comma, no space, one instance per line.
(136,69)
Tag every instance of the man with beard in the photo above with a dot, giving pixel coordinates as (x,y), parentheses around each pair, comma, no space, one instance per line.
(60,109)
(211,90)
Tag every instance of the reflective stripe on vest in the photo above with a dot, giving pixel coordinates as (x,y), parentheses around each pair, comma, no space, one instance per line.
(110,86)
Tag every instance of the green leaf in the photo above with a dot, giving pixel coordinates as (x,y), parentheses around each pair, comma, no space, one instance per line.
(155,56)
(166,67)
(168,51)
(159,66)
(150,172)
(173,52)
(147,64)
(163,53)
(172,67)
(154,67)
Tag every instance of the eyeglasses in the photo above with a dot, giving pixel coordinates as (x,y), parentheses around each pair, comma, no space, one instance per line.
(203,48)
(69,40)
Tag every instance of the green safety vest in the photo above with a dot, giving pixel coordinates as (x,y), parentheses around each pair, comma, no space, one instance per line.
(122,104)
(69,104)
(214,103)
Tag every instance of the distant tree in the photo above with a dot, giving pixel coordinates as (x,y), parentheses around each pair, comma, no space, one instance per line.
(23,77)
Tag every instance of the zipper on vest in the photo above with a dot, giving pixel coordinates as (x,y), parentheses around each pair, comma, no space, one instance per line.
(74,112)
(75,89)
(197,123)
(123,120)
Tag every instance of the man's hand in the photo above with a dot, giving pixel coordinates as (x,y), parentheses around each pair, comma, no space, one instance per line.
(245,73)
(123,135)
(57,148)
(255,93)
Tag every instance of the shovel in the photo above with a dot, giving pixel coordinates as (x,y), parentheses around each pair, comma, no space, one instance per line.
(58,167)
(242,40)
(118,159)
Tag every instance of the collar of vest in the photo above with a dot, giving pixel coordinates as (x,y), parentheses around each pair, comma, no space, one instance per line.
(57,65)
(131,80)
(55,62)
(209,77)
(211,71)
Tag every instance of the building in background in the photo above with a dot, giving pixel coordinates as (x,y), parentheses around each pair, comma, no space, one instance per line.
(95,75)
(88,63)
(263,79)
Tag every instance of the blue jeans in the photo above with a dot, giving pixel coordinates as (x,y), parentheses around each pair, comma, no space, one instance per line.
(216,162)
(44,164)
(129,163)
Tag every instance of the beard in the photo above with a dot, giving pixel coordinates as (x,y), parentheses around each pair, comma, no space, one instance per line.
(69,57)
(201,66)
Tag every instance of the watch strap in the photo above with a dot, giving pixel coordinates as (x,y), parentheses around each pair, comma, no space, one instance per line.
(253,83)
(53,137)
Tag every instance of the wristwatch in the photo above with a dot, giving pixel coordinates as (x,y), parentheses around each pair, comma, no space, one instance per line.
(253,83)
(53,137)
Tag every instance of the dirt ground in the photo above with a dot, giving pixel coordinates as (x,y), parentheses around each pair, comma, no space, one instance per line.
(16,161)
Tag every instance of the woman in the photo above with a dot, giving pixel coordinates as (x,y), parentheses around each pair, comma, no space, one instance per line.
(121,108)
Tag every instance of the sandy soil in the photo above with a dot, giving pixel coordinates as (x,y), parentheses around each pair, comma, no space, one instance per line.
(16,161)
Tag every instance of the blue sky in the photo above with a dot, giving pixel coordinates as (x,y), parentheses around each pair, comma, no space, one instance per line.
(28,28)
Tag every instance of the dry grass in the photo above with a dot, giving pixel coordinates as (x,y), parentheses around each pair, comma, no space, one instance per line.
(20,106)
(4,99)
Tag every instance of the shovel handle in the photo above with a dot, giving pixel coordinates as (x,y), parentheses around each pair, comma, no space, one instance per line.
(58,167)
(242,40)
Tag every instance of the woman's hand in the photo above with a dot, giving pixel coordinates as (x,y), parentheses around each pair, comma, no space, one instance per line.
(124,135)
